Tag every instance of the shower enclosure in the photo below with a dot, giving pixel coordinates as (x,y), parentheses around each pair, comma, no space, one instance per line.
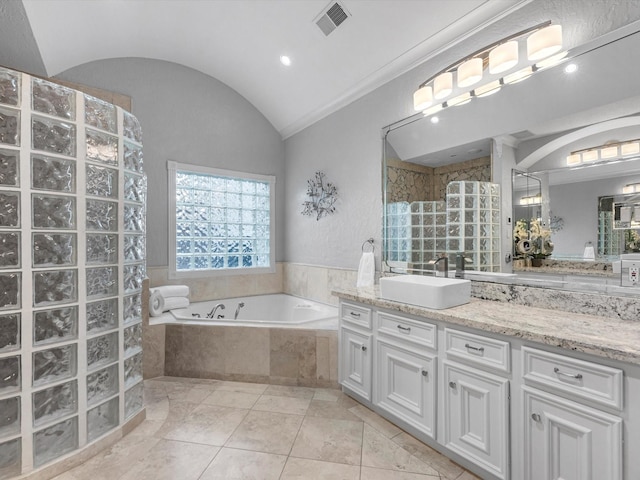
(72,262)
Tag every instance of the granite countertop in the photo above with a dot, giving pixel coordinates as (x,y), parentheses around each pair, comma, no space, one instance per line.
(604,337)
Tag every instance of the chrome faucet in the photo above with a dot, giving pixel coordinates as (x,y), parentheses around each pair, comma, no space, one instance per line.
(445,268)
(240,305)
(212,313)
(461,259)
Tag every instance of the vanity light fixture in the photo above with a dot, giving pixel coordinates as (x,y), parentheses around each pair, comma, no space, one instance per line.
(490,68)
(608,152)
(631,188)
(531,200)
(503,57)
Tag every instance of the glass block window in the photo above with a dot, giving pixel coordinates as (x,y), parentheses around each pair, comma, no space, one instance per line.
(223,222)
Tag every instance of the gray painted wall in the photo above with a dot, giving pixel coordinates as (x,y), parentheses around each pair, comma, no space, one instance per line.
(193,118)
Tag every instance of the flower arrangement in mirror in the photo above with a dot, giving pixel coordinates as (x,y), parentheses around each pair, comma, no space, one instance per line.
(322,197)
(532,240)
(631,241)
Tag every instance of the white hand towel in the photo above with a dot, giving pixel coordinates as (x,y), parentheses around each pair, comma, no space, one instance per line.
(173,303)
(172,290)
(589,252)
(156,303)
(366,270)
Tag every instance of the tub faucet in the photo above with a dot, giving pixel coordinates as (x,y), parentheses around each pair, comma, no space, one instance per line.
(240,305)
(212,313)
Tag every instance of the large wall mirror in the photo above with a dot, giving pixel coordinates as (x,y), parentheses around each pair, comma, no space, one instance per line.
(531,127)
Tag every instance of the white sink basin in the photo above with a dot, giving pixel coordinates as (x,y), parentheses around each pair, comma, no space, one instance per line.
(429,292)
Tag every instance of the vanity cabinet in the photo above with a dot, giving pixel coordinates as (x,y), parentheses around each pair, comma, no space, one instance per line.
(356,338)
(496,404)
(405,371)
(563,436)
(476,400)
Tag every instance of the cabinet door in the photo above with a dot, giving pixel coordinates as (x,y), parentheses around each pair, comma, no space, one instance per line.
(355,362)
(406,385)
(565,440)
(476,417)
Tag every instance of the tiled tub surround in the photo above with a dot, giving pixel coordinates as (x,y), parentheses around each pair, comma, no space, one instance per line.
(307,281)
(253,354)
(72,261)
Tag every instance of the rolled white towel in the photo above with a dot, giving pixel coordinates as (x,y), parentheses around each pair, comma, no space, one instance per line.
(172,290)
(172,303)
(156,304)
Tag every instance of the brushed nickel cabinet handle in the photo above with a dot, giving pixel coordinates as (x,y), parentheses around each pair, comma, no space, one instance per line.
(354,314)
(577,376)
(425,373)
(364,349)
(471,347)
(405,329)
(452,384)
(536,417)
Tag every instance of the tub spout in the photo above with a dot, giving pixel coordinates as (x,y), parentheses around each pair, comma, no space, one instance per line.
(212,313)
(240,305)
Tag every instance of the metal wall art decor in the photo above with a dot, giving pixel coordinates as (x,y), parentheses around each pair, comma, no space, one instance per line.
(322,197)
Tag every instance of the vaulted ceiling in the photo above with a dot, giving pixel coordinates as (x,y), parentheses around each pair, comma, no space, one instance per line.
(240,42)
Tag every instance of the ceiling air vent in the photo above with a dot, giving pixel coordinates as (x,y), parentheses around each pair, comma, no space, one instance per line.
(331,18)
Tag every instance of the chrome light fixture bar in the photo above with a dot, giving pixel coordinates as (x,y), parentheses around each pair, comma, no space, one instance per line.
(608,152)
(490,68)
(531,200)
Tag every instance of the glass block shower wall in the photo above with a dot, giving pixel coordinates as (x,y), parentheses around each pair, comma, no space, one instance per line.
(72,261)
(468,221)
(473,223)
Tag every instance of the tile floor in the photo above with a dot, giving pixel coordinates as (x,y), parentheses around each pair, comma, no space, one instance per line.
(207,430)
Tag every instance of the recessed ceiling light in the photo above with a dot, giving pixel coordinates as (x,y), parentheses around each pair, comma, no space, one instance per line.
(572,67)
(286,61)
(435,119)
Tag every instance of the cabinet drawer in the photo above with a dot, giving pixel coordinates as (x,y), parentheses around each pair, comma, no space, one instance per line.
(356,315)
(572,377)
(414,331)
(478,350)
